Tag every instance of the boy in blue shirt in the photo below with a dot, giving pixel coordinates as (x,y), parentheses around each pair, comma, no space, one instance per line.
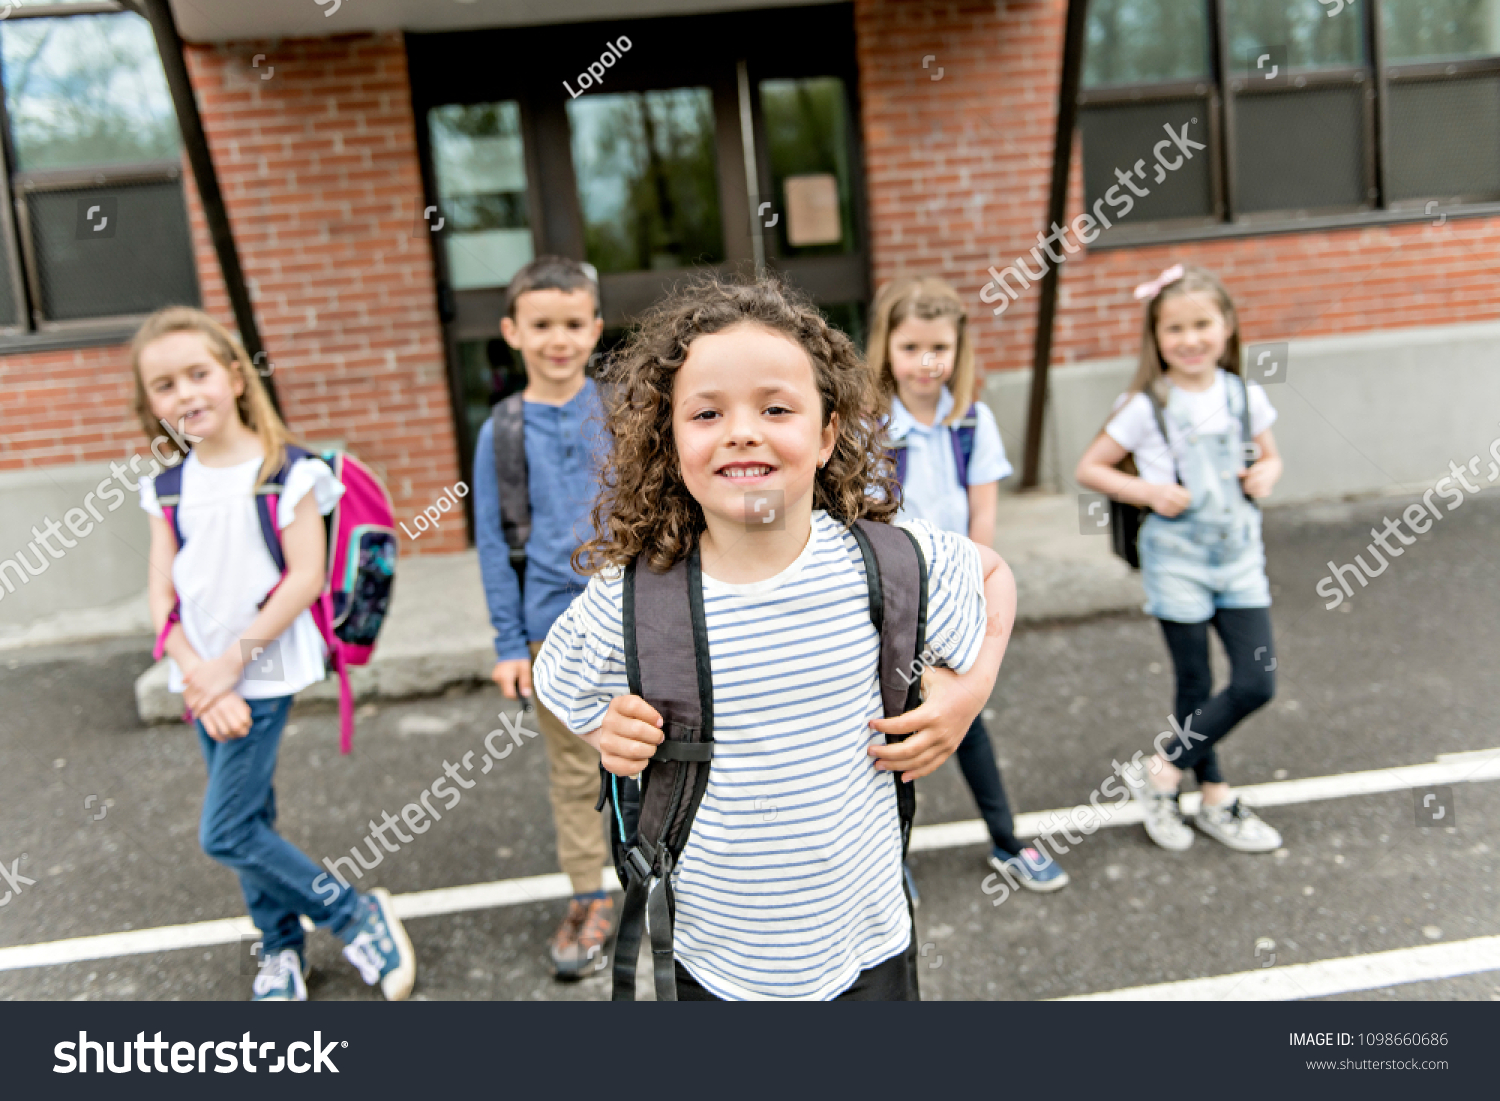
(552,318)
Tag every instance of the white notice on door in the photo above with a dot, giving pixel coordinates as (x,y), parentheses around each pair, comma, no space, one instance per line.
(812,210)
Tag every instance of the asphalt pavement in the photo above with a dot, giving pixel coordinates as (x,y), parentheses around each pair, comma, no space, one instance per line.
(102,812)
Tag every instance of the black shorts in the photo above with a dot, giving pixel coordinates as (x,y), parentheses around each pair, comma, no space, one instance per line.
(894,980)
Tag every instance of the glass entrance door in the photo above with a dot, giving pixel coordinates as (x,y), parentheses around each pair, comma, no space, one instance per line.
(682,158)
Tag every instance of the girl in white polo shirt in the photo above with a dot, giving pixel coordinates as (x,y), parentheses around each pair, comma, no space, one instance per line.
(950,460)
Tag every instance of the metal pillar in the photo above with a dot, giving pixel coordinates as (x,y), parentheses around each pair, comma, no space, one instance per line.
(195,142)
(1062,157)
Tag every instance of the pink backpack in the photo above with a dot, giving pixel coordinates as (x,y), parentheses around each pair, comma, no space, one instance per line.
(361,563)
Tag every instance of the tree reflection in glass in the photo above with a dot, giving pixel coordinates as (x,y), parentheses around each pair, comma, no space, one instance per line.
(647,179)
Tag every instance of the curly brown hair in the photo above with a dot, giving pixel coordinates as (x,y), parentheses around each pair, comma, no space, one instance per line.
(644,509)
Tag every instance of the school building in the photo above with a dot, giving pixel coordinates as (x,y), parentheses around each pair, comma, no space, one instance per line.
(351,183)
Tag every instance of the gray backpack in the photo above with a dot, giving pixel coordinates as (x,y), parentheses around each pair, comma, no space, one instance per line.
(508,432)
(667,665)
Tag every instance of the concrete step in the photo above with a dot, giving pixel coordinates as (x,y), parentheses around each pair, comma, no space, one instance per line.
(439,631)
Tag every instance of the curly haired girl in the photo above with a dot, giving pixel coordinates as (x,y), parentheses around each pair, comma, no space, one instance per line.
(747,428)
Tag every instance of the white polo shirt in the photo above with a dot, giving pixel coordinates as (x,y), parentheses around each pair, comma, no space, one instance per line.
(932,492)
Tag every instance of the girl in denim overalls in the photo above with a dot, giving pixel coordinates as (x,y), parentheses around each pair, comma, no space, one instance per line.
(1202,559)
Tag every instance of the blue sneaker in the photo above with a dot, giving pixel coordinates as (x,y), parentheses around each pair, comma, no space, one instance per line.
(379,947)
(1036,870)
(281,978)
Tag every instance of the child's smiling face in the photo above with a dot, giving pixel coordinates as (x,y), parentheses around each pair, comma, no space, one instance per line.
(1192,333)
(747,420)
(187,387)
(922,352)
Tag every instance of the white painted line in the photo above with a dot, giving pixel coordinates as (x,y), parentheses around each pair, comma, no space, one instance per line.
(168,938)
(1319,980)
(486,896)
(1452,768)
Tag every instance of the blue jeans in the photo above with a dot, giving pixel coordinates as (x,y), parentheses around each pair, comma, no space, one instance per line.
(238,830)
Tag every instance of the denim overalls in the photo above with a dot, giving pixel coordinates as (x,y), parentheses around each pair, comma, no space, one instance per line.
(1210,555)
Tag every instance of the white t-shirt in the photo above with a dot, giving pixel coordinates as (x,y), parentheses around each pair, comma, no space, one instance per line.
(1133,427)
(790,883)
(932,492)
(223,569)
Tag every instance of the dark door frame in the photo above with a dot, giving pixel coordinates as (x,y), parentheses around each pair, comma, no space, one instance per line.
(667,52)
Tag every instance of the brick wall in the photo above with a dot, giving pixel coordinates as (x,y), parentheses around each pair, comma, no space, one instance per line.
(959,168)
(318,165)
(60,408)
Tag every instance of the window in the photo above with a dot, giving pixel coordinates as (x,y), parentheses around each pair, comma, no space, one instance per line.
(1291,109)
(1444,114)
(647,176)
(97,231)
(478,161)
(807,147)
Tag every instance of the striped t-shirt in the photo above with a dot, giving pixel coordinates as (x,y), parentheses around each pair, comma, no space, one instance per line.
(790,883)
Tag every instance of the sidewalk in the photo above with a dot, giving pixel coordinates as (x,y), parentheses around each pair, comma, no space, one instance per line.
(439,632)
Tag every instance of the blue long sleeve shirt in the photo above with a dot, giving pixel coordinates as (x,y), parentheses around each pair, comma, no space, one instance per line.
(565,450)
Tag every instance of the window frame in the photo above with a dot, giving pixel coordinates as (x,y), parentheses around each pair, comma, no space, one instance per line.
(1222,88)
(33,330)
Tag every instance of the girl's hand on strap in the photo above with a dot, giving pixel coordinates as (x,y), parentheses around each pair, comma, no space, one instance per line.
(227,718)
(953,699)
(935,728)
(1261,477)
(1168,500)
(628,737)
(212,679)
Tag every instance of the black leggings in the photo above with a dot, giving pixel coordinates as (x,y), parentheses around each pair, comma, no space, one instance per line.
(1246,634)
(976,760)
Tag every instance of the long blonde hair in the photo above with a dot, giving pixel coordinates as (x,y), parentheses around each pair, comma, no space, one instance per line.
(927,299)
(253,404)
(1152,369)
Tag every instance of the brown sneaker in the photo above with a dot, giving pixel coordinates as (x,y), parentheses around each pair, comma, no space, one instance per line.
(578,943)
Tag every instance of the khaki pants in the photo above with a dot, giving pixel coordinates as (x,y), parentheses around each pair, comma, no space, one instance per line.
(573,765)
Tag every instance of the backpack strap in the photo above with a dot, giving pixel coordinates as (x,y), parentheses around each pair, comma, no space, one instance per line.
(898,610)
(897,452)
(1161,426)
(508,435)
(267,507)
(1247,442)
(666,662)
(168,486)
(961,435)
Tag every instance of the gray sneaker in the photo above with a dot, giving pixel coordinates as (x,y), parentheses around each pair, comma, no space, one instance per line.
(1237,826)
(1163,819)
(281,978)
